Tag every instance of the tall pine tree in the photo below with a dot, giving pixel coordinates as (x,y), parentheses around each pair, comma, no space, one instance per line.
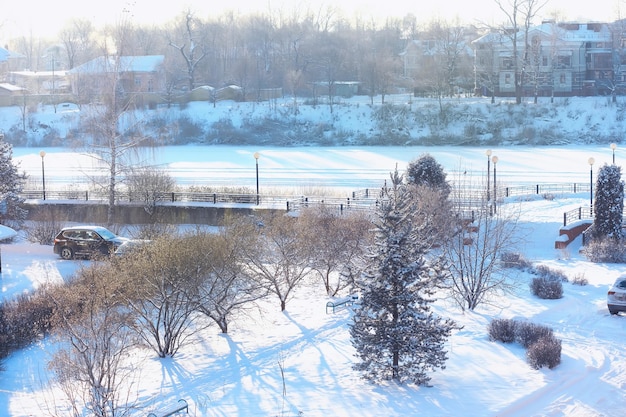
(394,332)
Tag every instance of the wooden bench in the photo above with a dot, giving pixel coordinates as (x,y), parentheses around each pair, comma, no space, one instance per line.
(177,408)
(340,303)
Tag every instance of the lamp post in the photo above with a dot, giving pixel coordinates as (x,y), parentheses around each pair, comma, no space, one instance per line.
(494,159)
(256,159)
(488,153)
(43,173)
(613,147)
(591,161)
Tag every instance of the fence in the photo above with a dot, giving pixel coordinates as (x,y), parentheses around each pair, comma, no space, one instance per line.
(364,199)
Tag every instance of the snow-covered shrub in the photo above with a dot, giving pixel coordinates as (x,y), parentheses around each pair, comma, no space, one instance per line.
(605,250)
(544,352)
(44,227)
(543,348)
(550,273)
(515,260)
(527,333)
(502,330)
(580,279)
(23,320)
(547,288)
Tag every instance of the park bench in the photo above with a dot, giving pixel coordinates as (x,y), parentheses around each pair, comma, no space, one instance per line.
(176,408)
(341,303)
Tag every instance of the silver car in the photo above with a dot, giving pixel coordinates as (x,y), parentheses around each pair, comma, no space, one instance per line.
(616,297)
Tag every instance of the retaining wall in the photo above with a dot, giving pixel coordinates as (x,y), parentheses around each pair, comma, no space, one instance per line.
(96,213)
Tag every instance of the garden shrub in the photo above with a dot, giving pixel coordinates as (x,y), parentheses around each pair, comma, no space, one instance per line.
(605,250)
(515,260)
(580,279)
(502,330)
(544,352)
(550,273)
(547,288)
(528,333)
(542,347)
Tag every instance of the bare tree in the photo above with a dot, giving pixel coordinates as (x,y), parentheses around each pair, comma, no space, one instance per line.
(519,16)
(149,186)
(162,280)
(336,240)
(280,262)
(228,287)
(191,47)
(475,251)
(77,38)
(92,324)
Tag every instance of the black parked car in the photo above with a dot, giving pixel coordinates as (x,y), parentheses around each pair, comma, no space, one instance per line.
(86,241)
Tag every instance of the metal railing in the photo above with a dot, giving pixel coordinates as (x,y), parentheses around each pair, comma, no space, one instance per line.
(581,213)
(363,199)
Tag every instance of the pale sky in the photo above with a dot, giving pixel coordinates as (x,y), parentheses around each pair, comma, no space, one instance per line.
(42,17)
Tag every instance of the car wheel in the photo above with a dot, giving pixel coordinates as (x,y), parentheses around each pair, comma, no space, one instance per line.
(66,253)
(613,312)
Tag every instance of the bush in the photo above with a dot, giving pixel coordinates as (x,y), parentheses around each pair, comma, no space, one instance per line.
(605,250)
(580,279)
(515,260)
(547,272)
(502,330)
(544,352)
(44,228)
(547,288)
(24,320)
(528,333)
(543,349)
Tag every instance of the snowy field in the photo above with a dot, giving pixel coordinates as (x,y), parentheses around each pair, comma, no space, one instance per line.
(240,374)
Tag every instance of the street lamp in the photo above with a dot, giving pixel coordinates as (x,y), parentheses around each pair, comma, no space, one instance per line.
(256,158)
(43,173)
(591,161)
(488,153)
(494,159)
(613,147)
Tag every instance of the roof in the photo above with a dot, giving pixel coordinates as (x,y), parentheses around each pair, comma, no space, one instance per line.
(107,64)
(10,87)
(5,54)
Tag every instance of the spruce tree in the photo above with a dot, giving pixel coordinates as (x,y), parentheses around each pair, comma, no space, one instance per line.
(12,213)
(426,171)
(609,203)
(394,332)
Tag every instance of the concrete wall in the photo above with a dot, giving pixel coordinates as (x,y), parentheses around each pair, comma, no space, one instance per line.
(96,213)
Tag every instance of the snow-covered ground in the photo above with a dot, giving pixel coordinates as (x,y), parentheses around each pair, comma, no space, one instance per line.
(240,374)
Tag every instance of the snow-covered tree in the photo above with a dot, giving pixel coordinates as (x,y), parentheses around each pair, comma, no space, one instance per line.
(394,332)
(609,203)
(426,171)
(11,182)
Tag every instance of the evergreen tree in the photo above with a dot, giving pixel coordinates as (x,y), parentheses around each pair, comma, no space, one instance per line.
(426,171)
(609,203)
(11,182)
(395,334)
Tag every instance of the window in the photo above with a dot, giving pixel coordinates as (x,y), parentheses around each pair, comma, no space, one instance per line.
(507,63)
(564,61)
(507,79)
(562,79)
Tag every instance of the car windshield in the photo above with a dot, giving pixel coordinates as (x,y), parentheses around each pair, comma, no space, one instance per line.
(106,234)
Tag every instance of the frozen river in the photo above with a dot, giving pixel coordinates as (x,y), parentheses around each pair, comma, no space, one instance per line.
(332,167)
